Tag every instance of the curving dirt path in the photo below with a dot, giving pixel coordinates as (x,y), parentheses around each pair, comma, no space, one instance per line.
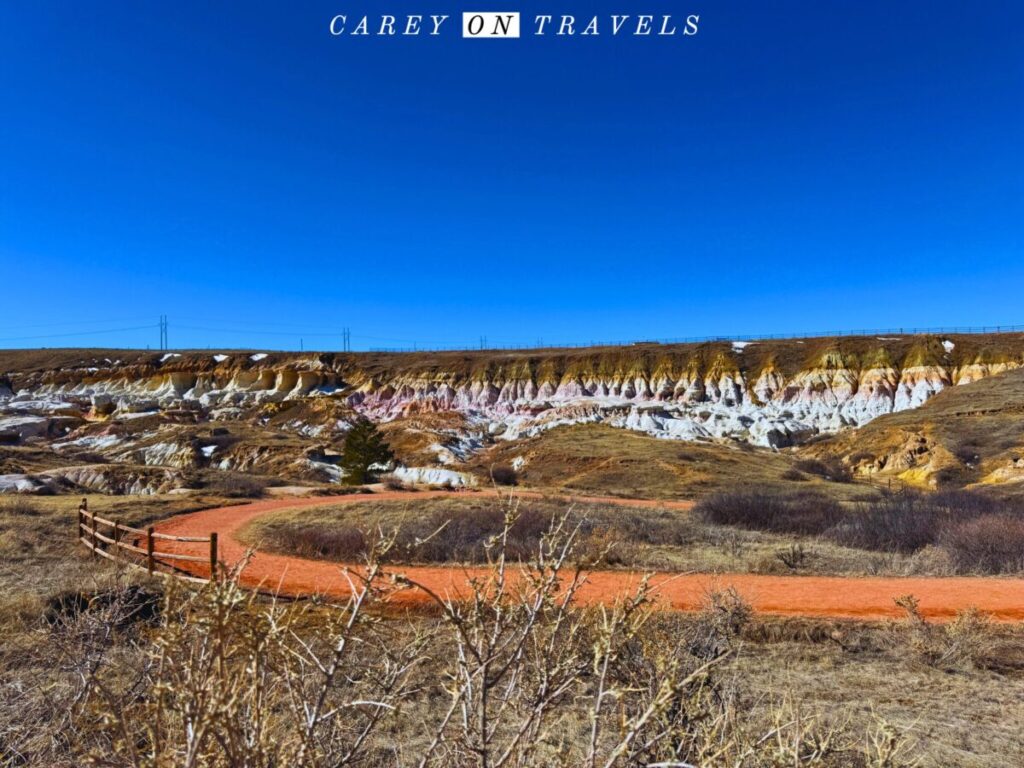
(830,596)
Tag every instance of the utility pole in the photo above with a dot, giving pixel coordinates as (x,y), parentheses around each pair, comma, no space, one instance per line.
(346,340)
(163,332)
(483,342)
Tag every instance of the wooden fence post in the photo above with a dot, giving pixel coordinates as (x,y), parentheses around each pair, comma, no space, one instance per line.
(117,537)
(149,550)
(95,543)
(213,557)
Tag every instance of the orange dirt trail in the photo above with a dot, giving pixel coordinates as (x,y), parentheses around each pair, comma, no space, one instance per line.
(831,596)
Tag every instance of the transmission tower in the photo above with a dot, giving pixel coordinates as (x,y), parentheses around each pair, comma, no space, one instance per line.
(163,332)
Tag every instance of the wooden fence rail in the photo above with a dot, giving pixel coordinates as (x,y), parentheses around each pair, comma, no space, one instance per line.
(137,547)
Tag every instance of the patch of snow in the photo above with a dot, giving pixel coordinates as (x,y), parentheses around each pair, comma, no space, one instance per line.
(220,358)
(208,450)
(948,345)
(258,356)
(518,463)
(739,346)
(168,356)
(888,338)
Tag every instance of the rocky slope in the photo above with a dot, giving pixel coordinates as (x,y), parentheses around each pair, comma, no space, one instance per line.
(144,407)
(963,436)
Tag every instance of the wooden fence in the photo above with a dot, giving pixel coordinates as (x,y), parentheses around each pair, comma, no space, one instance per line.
(139,548)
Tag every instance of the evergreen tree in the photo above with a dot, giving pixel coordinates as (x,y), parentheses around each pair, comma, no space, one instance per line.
(364,446)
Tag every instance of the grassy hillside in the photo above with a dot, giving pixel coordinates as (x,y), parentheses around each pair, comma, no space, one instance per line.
(971,434)
(601,460)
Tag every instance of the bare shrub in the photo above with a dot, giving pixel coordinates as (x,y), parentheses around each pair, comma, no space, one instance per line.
(520,654)
(908,522)
(990,543)
(830,468)
(503,474)
(510,671)
(962,643)
(903,523)
(231,681)
(235,485)
(793,557)
(341,542)
(723,616)
(803,513)
(393,483)
(794,475)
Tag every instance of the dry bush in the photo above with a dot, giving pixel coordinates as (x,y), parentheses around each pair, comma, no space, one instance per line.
(903,523)
(829,468)
(802,513)
(340,542)
(231,681)
(988,544)
(234,485)
(503,474)
(967,525)
(961,644)
(393,483)
(793,557)
(459,531)
(723,616)
(511,672)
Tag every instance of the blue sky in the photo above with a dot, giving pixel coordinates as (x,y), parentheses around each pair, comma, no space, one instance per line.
(794,166)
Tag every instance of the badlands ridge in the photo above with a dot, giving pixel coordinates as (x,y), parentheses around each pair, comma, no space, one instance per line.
(771,394)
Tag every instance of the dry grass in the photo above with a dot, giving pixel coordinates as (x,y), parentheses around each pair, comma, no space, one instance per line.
(39,554)
(962,436)
(871,695)
(656,539)
(974,534)
(601,460)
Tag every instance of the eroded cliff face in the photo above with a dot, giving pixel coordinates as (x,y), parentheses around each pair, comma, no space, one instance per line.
(772,393)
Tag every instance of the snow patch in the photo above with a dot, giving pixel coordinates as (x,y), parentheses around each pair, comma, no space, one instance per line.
(258,356)
(169,356)
(220,358)
(208,450)
(739,346)
(948,345)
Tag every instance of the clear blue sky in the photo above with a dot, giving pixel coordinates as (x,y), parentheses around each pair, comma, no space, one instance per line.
(795,166)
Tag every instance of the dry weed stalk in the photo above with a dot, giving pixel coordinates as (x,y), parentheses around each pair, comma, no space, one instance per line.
(523,651)
(235,682)
(962,643)
(515,673)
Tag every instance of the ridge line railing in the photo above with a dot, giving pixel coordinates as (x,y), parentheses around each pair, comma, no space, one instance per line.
(137,547)
(540,344)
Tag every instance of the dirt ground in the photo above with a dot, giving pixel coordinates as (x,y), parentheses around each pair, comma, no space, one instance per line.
(860,597)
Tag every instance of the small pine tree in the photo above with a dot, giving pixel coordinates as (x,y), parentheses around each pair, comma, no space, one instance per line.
(364,447)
